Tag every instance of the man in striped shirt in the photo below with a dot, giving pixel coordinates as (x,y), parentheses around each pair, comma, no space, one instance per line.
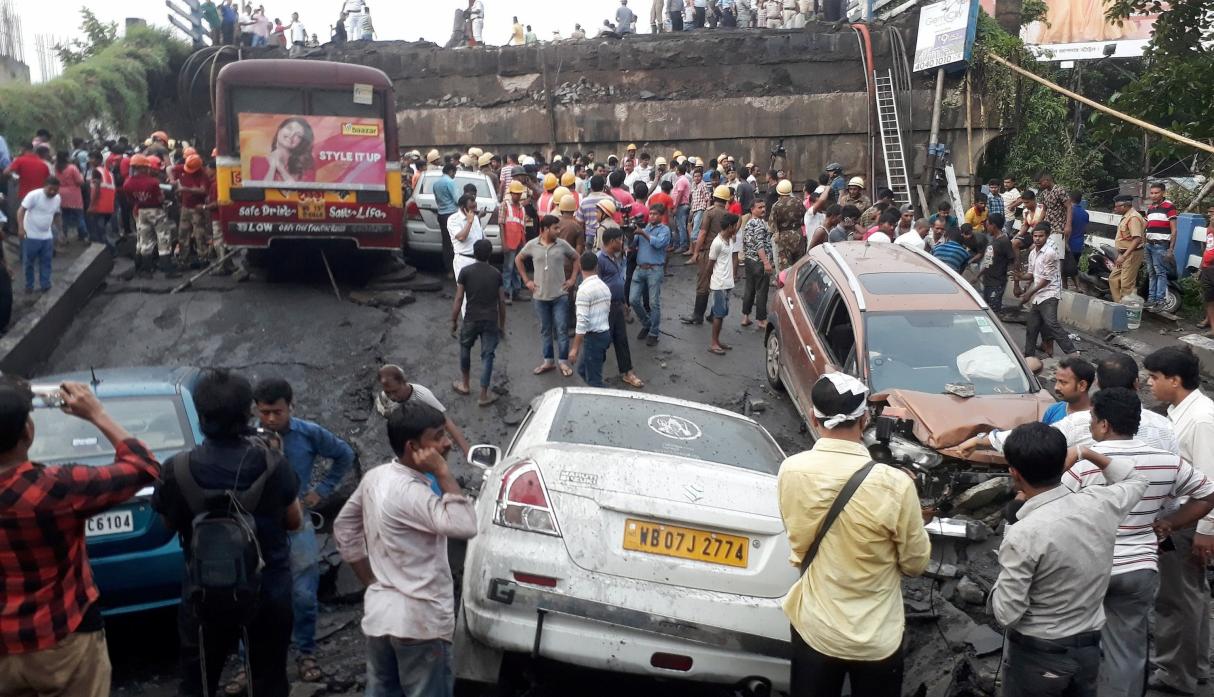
(1115,417)
(588,210)
(593,323)
(1161,242)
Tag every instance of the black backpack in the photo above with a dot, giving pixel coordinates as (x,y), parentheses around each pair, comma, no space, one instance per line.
(223,574)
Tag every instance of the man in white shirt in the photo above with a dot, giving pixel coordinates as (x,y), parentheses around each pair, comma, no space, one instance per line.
(914,238)
(1042,296)
(393,533)
(1182,630)
(36,221)
(464,228)
(1115,414)
(1010,195)
(298,34)
(1054,564)
(593,329)
(724,263)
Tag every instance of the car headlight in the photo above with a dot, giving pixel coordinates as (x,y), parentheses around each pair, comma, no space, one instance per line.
(909,452)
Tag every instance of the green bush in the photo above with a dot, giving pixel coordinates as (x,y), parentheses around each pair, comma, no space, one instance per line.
(106,94)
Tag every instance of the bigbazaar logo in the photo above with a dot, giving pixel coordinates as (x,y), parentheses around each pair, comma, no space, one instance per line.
(360,129)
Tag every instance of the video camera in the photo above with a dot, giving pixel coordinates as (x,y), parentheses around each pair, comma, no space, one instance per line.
(779,150)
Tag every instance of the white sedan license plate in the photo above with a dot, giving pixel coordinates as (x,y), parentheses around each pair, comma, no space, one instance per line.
(111,523)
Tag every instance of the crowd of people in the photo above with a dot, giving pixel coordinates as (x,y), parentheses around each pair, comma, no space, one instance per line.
(161,191)
(677,208)
(228,22)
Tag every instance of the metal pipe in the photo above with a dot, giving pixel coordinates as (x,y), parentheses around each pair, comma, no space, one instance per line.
(935,133)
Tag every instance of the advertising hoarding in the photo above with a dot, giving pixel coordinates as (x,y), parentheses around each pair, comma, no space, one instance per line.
(946,33)
(312,152)
(1078,30)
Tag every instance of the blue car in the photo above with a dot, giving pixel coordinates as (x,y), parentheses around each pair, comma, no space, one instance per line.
(137,561)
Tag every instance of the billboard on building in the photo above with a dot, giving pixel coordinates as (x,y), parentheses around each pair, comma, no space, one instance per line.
(312,152)
(1078,30)
(946,33)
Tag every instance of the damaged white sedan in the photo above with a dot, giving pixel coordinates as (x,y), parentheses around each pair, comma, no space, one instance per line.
(632,533)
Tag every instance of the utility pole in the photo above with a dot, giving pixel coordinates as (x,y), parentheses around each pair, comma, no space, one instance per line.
(188,20)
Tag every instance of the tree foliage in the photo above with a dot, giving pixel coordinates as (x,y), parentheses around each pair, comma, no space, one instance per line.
(108,92)
(1174,90)
(1035,119)
(98,36)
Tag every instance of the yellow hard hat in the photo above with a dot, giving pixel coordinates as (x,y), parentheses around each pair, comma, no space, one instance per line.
(475,152)
(465,160)
(516,187)
(631,146)
(722,192)
(550,181)
(856,181)
(433,156)
(558,194)
(677,154)
(568,179)
(568,204)
(607,206)
(484,159)
(784,188)
(659,162)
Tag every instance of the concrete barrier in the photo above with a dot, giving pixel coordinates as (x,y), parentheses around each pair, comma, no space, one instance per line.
(1092,314)
(28,342)
(1203,346)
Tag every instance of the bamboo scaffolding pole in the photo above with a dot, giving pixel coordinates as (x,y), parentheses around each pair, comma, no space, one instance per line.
(1100,107)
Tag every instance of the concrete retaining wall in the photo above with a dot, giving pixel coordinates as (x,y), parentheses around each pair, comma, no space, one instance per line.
(28,343)
(733,91)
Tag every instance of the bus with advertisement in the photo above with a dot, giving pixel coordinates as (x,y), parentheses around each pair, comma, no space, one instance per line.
(307,150)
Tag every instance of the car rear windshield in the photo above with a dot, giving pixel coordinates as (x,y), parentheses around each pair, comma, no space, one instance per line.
(483,189)
(665,429)
(156,421)
(929,351)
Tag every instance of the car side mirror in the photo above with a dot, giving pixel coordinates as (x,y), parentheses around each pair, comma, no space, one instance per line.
(484,457)
(1035,365)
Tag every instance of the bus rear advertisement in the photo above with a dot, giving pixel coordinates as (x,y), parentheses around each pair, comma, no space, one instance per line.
(307,150)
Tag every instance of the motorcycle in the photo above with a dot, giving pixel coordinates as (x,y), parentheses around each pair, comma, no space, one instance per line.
(1101,257)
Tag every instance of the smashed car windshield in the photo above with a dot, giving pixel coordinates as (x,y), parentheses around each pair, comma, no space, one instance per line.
(933,350)
(667,429)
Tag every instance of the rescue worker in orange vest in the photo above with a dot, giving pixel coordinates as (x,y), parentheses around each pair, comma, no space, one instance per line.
(153,233)
(513,219)
(102,195)
(192,233)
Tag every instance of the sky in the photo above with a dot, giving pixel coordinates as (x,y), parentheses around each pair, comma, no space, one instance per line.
(394,19)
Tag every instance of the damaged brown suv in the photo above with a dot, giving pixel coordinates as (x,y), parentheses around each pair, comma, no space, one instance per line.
(940,365)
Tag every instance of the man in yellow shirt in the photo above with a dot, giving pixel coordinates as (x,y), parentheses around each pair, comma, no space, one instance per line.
(976,215)
(1130,242)
(846,609)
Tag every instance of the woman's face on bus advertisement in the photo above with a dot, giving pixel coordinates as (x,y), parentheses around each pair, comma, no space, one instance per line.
(290,136)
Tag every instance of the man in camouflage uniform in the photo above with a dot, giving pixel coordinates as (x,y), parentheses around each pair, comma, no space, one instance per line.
(854,195)
(192,231)
(787,217)
(154,232)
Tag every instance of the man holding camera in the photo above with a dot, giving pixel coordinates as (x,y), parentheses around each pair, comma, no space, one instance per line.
(52,640)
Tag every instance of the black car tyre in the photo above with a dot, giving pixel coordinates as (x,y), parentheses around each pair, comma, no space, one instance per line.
(773,360)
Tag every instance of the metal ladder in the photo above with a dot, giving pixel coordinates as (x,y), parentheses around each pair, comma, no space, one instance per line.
(891,137)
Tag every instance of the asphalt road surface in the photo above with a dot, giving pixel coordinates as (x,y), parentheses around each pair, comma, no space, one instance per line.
(330,350)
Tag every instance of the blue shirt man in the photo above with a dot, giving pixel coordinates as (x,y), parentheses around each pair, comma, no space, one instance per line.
(952,252)
(1079,227)
(302,443)
(652,249)
(5,156)
(445,194)
(612,274)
